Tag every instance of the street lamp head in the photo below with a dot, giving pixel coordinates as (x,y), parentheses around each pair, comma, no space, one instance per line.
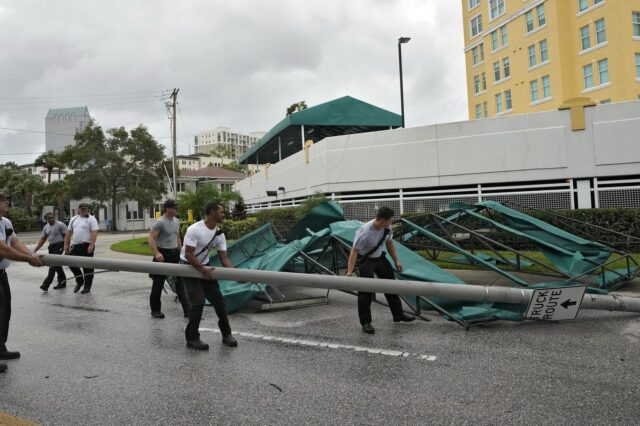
(402,40)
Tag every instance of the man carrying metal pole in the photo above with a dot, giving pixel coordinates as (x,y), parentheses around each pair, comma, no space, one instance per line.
(80,240)
(164,240)
(54,231)
(199,239)
(367,253)
(10,249)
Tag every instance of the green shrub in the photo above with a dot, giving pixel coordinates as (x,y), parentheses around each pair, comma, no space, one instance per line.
(21,221)
(625,221)
(281,219)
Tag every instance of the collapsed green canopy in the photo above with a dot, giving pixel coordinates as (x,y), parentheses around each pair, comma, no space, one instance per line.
(342,116)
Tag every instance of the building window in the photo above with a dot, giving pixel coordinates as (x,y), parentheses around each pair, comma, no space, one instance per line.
(603,71)
(597,1)
(638,65)
(505,66)
(635,21)
(496,8)
(532,55)
(478,111)
(499,103)
(485,109)
(601,36)
(544,51)
(484,81)
(585,38)
(478,54)
(605,101)
(587,76)
(476,25)
(503,35)
(494,40)
(546,87)
(534,90)
(496,71)
(507,99)
(528,17)
(541,18)
(582,5)
(476,84)
(473,3)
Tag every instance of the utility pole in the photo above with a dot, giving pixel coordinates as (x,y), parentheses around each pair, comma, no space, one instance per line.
(174,100)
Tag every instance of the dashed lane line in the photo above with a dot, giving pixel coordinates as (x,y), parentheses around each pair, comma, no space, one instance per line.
(327,345)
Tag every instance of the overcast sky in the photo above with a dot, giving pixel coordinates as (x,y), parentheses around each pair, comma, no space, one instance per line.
(237,63)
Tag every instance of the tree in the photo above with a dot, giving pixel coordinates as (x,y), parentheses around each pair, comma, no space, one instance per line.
(198,199)
(20,184)
(57,193)
(222,150)
(115,167)
(298,106)
(49,160)
(233,166)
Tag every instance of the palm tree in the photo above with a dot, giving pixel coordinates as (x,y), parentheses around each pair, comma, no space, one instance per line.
(198,199)
(49,160)
(58,193)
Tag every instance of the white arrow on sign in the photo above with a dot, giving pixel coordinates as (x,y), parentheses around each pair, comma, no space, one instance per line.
(555,304)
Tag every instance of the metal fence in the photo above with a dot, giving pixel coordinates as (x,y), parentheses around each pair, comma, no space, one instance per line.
(622,193)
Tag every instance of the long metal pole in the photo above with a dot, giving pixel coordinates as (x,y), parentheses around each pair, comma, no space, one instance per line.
(174,96)
(401,88)
(409,288)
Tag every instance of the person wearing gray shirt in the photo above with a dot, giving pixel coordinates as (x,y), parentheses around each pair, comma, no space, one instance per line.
(164,240)
(54,231)
(368,255)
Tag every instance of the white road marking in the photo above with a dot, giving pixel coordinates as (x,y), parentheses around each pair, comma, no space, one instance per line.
(299,342)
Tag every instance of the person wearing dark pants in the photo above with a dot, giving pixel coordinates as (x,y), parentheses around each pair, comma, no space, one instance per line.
(368,255)
(11,248)
(54,231)
(80,240)
(164,240)
(199,239)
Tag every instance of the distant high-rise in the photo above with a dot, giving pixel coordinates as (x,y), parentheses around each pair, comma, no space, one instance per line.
(224,142)
(62,124)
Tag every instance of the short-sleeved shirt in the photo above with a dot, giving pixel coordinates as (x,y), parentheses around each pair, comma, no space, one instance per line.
(167,232)
(6,235)
(367,237)
(82,228)
(54,233)
(202,238)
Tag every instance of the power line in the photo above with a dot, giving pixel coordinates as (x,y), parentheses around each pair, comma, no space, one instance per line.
(85,96)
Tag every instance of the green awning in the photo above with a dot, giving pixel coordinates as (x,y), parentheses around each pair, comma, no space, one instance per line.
(341,116)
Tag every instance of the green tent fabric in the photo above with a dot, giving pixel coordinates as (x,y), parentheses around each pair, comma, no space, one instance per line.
(344,111)
(318,219)
(569,253)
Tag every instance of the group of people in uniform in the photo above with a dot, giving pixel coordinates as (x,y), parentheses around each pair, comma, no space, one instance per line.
(79,239)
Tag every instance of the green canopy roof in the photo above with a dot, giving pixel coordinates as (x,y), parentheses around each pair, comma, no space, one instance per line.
(341,116)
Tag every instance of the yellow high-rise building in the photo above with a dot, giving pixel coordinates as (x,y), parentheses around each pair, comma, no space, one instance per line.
(532,55)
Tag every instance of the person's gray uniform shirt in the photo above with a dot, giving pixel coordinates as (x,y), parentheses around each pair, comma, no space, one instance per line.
(167,232)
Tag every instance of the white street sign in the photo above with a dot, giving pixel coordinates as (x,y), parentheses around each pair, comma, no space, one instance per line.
(555,304)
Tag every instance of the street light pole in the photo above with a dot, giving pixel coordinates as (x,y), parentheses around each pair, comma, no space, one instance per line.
(401,41)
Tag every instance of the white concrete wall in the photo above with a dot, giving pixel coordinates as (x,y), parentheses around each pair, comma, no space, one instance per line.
(528,147)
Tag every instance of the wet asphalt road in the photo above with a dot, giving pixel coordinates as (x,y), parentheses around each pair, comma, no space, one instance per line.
(101,359)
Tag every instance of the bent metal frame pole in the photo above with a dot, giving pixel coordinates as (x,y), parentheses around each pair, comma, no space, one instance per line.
(466,292)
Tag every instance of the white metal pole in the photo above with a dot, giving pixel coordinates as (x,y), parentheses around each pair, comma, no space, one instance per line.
(409,288)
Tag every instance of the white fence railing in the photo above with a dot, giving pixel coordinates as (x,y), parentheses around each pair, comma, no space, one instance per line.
(623,193)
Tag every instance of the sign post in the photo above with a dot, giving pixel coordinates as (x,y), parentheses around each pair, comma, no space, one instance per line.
(555,304)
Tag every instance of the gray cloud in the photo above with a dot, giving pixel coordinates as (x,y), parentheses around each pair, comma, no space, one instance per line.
(237,63)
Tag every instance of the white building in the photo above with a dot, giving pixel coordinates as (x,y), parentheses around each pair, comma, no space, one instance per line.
(62,124)
(56,174)
(225,142)
(546,160)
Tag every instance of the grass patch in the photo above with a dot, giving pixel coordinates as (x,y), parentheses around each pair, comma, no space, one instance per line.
(140,246)
(133,246)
